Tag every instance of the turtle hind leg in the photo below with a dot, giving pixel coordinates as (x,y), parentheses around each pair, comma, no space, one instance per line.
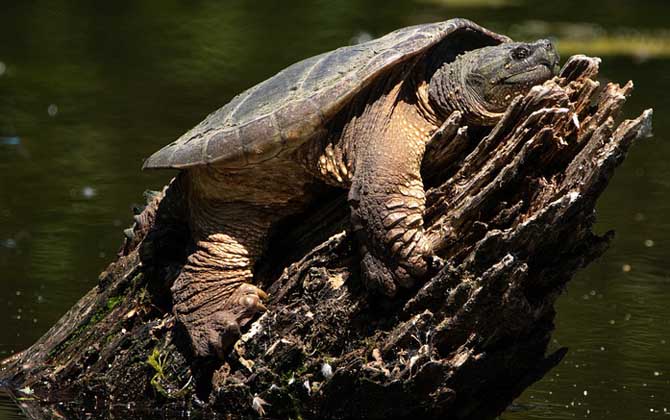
(213,296)
(164,210)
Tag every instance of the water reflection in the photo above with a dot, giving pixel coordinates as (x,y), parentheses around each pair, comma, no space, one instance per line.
(89,89)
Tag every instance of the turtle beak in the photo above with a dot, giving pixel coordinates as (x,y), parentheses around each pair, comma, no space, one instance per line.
(551,57)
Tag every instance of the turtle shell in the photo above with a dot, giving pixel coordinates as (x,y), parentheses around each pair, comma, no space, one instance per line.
(282,112)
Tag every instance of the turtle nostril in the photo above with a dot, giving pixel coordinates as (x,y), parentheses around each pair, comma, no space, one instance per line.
(552,54)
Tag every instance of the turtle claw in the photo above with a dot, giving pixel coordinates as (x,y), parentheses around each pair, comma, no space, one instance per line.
(249,300)
(380,276)
(217,334)
(377,276)
(387,275)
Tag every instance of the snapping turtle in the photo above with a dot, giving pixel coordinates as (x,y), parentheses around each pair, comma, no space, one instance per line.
(357,117)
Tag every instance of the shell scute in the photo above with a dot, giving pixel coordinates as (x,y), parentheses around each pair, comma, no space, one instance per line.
(262,139)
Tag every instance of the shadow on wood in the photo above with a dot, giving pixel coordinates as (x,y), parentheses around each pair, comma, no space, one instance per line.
(510,211)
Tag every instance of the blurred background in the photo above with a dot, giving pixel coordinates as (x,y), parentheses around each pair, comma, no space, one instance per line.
(89,89)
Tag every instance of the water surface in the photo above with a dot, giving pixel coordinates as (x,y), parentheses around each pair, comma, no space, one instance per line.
(89,89)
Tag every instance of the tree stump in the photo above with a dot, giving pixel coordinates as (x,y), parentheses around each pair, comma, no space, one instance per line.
(510,210)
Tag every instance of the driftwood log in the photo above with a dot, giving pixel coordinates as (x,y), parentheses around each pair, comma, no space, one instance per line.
(512,210)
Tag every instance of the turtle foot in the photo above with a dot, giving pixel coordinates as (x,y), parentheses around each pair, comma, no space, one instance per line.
(387,277)
(411,262)
(214,335)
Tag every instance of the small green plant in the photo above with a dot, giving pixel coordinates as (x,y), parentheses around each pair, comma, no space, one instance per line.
(164,382)
(157,361)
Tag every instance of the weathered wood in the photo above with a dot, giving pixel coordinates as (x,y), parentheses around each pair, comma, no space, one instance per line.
(510,210)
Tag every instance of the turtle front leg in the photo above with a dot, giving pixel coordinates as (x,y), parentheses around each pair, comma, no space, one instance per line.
(213,296)
(387,201)
(214,331)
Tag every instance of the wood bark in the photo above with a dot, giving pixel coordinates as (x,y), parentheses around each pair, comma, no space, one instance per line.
(510,210)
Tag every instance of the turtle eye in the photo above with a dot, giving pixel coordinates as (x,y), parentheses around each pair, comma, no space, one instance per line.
(519,53)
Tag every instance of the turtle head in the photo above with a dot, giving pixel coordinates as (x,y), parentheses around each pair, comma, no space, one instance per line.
(483,82)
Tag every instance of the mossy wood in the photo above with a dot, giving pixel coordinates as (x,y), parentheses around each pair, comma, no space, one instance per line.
(514,207)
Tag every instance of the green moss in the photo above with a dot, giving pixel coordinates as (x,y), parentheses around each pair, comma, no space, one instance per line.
(97,317)
(111,303)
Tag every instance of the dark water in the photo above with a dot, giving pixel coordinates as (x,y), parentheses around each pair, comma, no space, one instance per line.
(89,89)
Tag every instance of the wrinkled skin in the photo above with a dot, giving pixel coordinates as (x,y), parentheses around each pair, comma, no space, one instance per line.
(480,84)
(373,148)
(489,78)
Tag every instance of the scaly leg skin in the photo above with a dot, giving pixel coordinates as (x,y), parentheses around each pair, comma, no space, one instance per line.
(387,202)
(213,295)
